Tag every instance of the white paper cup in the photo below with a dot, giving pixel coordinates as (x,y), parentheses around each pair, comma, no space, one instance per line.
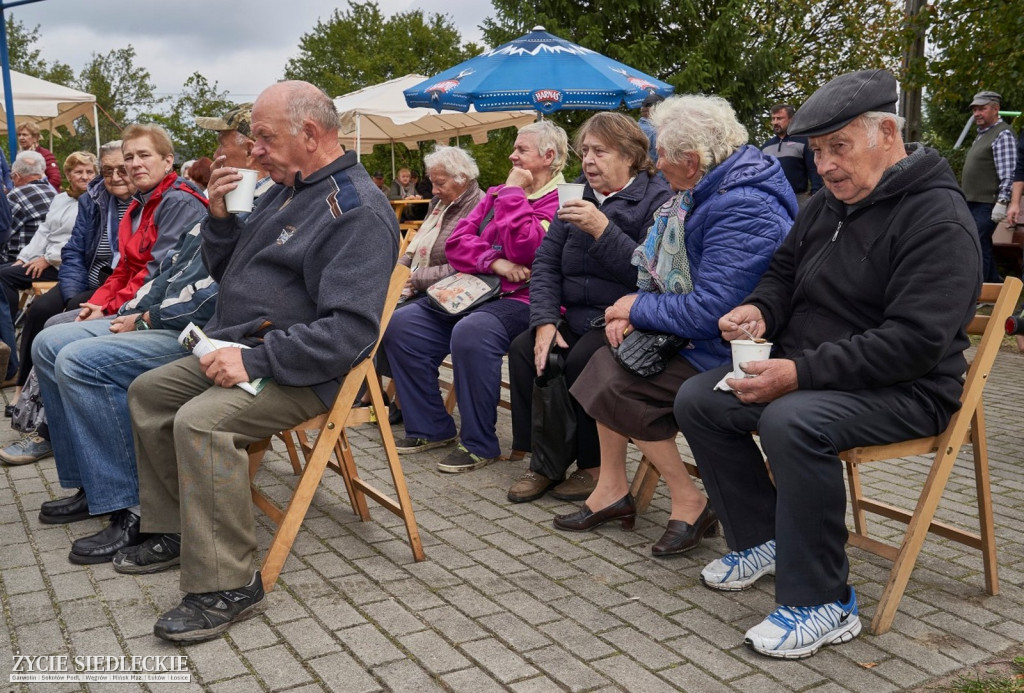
(744,350)
(569,191)
(240,199)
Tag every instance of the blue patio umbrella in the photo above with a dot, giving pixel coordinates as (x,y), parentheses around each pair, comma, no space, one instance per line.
(540,71)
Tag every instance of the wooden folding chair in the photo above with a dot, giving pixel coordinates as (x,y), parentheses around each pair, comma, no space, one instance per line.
(332,442)
(967,425)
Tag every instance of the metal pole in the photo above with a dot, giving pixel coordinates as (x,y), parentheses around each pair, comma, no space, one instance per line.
(96,127)
(910,99)
(12,135)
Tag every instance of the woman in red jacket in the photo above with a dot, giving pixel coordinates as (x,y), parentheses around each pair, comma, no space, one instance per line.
(164,206)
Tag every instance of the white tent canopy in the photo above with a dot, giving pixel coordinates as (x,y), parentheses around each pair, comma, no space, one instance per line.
(379,115)
(46,104)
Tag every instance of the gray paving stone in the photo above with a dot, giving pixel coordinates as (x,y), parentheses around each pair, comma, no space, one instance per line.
(687,677)
(339,671)
(452,624)
(307,638)
(406,676)
(277,667)
(622,668)
(472,681)
(214,660)
(369,645)
(498,659)
(432,652)
(564,668)
(580,641)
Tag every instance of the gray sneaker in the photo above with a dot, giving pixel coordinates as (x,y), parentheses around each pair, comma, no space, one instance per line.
(404,446)
(29,449)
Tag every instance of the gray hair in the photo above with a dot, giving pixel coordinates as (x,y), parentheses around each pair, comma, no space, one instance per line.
(307,102)
(29,163)
(455,161)
(697,123)
(549,136)
(110,148)
(873,119)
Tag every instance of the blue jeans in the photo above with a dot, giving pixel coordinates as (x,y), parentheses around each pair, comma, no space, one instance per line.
(84,372)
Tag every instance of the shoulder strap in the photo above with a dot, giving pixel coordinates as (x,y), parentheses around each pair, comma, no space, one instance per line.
(485,221)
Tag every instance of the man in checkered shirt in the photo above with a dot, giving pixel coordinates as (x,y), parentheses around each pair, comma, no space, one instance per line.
(29,201)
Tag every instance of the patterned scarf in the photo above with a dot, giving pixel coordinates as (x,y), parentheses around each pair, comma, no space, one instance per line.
(661,262)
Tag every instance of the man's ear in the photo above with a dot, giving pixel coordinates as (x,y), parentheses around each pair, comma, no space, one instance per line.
(312,133)
(888,130)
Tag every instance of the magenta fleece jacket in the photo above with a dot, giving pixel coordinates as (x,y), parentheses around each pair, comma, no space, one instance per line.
(515,232)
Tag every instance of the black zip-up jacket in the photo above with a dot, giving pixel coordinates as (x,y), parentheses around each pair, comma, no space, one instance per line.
(879,293)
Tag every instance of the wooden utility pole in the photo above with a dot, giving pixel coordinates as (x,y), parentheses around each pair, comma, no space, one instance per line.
(913,56)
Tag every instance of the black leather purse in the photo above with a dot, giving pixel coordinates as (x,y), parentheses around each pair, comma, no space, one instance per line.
(647,353)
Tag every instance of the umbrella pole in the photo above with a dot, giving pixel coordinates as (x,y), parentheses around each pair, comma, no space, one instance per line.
(392,160)
(359,139)
(96,127)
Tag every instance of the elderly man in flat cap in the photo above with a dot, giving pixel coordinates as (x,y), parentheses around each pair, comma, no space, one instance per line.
(987,177)
(867,302)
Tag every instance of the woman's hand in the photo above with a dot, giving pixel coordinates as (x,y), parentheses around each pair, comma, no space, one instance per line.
(89,311)
(34,268)
(542,345)
(510,270)
(519,178)
(616,330)
(585,216)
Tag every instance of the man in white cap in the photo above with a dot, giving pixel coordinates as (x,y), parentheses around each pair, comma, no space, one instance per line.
(987,177)
(867,301)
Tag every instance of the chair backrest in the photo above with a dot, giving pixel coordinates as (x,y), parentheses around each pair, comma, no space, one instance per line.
(399,276)
(991,328)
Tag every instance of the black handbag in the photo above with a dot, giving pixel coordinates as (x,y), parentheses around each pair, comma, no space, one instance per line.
(553,419)
(647,353)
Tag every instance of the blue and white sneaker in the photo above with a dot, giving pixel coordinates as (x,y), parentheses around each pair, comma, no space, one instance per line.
(795,632)
(738,570)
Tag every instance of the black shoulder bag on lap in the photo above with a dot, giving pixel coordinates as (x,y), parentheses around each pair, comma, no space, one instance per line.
(647,353)
(553,422)
(462,292)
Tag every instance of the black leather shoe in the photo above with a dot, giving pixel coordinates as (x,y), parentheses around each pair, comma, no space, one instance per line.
(207,615)
(584,519)
(123,531)
(64,510)
(681,536)
(394,414)
(9,411)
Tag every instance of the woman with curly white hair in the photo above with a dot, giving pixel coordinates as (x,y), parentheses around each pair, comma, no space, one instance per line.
(706,250)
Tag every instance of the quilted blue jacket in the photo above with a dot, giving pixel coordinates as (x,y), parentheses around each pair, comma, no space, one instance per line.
(743,208)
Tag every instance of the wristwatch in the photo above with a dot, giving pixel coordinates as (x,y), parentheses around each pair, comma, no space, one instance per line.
(141,324)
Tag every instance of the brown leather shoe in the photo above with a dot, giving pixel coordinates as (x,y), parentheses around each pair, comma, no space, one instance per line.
(681,536)
(530,486)
(584,519)
(577,487)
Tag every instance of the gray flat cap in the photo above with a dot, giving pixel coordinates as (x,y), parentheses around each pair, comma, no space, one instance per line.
(844,98)
(983,98)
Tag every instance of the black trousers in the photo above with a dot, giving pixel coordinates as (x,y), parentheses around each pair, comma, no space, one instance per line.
(801,433)
(521,374)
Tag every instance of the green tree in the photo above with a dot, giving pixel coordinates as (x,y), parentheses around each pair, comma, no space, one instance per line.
(359,47)
(198,98)
(25,57)
(975,45)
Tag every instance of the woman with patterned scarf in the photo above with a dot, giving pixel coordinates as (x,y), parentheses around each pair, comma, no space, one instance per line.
(709,245)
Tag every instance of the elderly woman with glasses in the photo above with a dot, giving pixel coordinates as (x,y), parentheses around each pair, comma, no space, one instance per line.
(705,252)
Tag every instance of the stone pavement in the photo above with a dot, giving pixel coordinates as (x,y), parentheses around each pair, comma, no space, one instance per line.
(505,602)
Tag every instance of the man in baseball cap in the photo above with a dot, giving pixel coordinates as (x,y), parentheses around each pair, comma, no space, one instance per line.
(987,178)
(866,301)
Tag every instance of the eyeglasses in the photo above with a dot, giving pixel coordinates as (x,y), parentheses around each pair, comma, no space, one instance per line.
(109,171)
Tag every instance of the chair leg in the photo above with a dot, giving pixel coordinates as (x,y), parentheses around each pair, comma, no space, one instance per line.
(913,541)
(281,544)
(397,475)
(984,488)
(645,482)
(860,523)
(349,473)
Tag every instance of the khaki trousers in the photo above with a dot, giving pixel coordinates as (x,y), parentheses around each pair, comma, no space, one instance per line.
(190,441)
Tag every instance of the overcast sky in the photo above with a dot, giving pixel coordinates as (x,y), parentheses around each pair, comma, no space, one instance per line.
(243,45)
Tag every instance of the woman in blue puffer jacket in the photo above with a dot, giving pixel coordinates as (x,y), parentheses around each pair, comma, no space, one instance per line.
(708,247)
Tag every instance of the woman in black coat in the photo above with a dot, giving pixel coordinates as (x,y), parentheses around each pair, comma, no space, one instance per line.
(583,265)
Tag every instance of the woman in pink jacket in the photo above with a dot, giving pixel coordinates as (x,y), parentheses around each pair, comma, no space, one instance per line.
(500,236)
